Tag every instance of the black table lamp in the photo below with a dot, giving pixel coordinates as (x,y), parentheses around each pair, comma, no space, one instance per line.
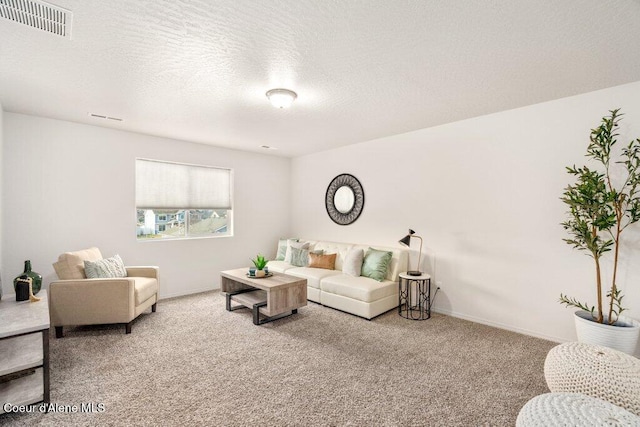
(406,241)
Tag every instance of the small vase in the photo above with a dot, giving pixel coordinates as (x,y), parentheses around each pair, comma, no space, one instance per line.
(260,273)
(35,277)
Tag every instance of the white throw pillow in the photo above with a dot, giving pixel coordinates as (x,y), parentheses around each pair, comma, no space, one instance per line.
(105,268)
(352,264)
(297,245)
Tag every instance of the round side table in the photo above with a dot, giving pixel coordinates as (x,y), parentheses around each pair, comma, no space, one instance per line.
(414,296)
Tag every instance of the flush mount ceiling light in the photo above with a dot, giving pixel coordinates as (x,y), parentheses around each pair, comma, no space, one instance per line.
(281,98)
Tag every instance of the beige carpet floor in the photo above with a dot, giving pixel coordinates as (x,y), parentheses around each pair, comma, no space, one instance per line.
(193,363)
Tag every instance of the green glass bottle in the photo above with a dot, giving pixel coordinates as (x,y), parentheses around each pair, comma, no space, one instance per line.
(36,278)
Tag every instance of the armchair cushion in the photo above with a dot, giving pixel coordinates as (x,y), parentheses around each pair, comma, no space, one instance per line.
(70,265)
(145,288)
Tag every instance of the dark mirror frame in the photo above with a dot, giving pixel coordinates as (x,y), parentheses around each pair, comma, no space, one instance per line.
(352,182)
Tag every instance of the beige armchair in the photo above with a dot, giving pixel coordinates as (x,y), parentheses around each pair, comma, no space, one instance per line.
(76,300)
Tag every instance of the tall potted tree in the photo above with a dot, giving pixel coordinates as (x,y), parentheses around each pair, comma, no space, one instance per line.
(603,202)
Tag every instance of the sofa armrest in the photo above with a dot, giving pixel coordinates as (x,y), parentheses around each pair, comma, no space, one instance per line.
(152,272)
(91,301)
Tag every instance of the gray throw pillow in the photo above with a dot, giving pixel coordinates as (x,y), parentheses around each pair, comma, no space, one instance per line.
(352,264)
(300,257)
(376,263)
(105,268)
(296,245)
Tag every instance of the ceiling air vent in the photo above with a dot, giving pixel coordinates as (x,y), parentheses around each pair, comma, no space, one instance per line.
(38,14)
(102,116)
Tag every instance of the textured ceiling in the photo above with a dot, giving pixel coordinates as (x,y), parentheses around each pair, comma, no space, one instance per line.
(198,70)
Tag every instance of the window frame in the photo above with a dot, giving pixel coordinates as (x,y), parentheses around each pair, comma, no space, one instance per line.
(187,212)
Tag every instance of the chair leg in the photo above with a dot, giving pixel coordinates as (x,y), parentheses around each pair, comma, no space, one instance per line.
(127,327)
(153,307)
(59,333)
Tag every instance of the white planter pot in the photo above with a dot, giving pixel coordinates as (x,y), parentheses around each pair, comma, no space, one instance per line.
(623,337)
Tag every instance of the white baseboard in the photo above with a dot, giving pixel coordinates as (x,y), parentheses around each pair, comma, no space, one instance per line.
(435,310)
(498,325)
(182,294)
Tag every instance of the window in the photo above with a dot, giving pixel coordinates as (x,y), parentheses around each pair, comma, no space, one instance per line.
(175,200)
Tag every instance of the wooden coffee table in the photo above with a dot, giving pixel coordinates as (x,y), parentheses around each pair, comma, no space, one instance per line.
(274,297)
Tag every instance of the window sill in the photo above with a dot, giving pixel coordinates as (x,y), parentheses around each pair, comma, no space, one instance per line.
(173,239)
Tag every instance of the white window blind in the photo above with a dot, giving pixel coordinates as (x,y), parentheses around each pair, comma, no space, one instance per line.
(163,185)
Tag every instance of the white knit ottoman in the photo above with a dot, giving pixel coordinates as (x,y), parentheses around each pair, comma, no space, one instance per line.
(596,371)
(573,409)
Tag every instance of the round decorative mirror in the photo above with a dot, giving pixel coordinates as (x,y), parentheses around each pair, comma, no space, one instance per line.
(344,199)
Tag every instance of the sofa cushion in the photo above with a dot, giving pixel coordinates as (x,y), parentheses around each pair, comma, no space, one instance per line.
(327,261)
(279,266)
(105,268)
(282,248)
(145,288)
(376,263)
(313,275)
(353,262)
(359,288)
(70,265)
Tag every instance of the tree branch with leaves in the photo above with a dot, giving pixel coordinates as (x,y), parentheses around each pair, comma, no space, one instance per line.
(599,211)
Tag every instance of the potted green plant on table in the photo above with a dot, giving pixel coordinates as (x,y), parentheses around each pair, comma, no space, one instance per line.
(260,263)
(603,202)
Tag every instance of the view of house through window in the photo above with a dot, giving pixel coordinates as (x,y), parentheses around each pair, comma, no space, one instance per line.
(175,200)
(162,223)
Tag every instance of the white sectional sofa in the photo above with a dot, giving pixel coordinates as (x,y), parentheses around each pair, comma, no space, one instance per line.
(362,296)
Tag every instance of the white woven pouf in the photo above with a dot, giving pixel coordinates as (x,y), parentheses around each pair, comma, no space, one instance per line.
(573,409)
(596,371)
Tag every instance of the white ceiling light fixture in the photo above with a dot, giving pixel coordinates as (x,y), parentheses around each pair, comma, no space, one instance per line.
(281,98)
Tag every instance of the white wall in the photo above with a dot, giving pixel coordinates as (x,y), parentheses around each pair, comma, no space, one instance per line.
(484,193)
(4,277)
(69,186)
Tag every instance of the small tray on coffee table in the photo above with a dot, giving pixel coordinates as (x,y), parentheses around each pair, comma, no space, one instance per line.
(262,277)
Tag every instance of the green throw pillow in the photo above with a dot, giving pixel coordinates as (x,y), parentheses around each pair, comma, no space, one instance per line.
(376,263)
(105,268)
(282,248)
